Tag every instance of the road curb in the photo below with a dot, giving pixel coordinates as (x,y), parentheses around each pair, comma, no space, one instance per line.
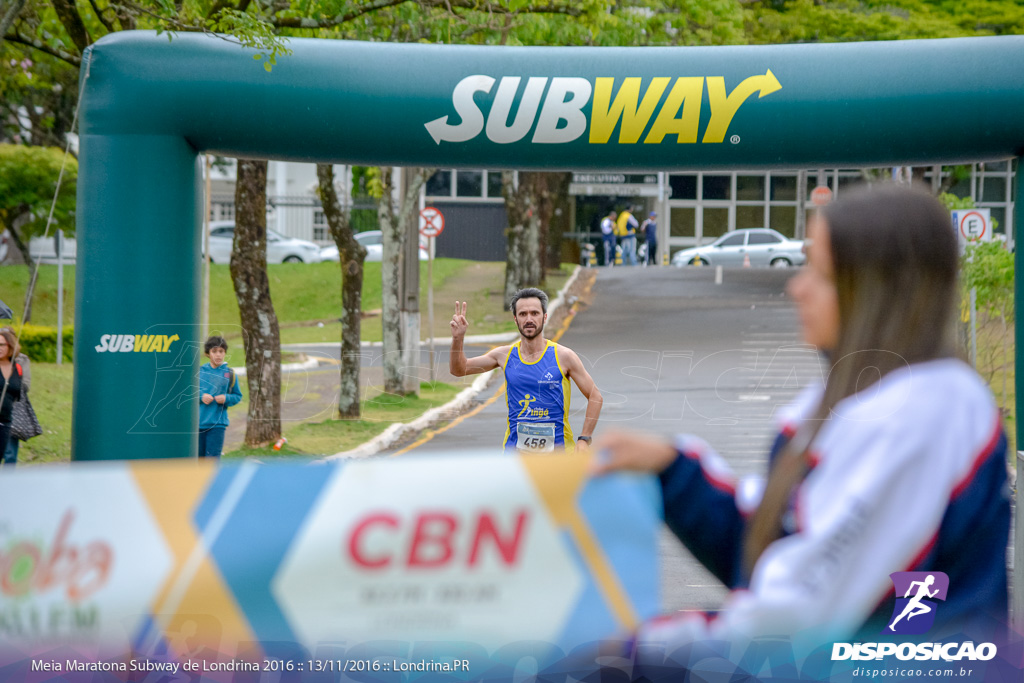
(397,433)
(402,430)
(287,367)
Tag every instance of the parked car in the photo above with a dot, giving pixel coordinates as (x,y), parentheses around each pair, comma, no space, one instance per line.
(42,249)
(373,240)
(280,249)
(763,246)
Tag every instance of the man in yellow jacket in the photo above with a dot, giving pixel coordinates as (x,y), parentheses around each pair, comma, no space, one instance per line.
(625,228)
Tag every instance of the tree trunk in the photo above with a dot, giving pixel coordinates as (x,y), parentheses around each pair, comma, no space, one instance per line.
(260,332)
(351,256)
(558,189)
(23,248)
(392,238)
(531,259)
(522,262)
(393,226)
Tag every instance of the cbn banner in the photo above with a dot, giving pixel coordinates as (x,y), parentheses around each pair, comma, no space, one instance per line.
(174,558)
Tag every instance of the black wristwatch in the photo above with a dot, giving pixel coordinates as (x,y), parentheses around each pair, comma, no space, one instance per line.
(588,439)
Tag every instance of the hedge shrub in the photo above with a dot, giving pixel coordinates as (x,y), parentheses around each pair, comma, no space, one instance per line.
(39,343)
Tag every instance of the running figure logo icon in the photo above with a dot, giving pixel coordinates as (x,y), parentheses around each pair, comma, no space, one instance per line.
(914,613)
(525,403)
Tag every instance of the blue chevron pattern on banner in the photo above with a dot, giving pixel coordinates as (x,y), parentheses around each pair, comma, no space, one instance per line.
(249,519)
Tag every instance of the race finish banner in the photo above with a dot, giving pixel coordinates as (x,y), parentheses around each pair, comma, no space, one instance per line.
(174,562)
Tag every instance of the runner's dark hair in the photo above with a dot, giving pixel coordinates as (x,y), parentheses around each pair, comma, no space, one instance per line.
(529,293)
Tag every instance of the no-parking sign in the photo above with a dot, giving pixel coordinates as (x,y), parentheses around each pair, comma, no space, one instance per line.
(431,222)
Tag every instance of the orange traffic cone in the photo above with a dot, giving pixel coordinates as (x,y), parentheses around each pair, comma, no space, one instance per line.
(746,260)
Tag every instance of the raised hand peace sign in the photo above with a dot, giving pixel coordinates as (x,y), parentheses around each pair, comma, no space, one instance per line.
(459,324)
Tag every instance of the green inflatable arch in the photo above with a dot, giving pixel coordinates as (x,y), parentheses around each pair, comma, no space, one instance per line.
(151,106)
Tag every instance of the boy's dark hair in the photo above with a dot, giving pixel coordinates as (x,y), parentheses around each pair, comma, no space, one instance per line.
(215,343)
(529,293)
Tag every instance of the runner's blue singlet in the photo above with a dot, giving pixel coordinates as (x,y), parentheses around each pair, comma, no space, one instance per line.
(537,393)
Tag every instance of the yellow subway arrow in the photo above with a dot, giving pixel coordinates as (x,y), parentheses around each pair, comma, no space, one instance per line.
(724,107)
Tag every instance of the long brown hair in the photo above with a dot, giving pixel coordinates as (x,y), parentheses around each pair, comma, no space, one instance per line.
(12,343)
(894,256)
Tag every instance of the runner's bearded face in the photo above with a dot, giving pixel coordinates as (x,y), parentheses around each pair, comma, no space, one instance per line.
(530,318)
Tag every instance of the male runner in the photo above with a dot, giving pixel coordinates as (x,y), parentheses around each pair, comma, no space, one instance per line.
(537,374)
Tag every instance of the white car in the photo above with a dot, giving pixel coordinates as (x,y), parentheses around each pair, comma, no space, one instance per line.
(280,249)
(759,246)
(42,249)
(373,241)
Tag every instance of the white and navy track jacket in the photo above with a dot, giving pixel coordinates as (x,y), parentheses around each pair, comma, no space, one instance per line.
(907,475)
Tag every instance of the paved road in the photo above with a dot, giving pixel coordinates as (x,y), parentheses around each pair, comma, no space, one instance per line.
(673,352)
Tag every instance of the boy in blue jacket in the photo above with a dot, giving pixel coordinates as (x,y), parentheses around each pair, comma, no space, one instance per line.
(218,391)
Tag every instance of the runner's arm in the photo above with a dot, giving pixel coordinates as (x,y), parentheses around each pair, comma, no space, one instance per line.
(460,366)
(577,373)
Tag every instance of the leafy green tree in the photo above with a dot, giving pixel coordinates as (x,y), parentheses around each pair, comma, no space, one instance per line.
(988,269)
(28,184)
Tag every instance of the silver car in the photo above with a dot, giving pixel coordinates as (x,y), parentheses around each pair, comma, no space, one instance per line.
(749,246)
(373,241)
(280,249)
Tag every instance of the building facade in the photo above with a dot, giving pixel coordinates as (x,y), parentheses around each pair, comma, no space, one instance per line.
(693,208)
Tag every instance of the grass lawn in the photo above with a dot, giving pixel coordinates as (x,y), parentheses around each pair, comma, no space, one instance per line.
(305,296)
(332,436)
(51,398)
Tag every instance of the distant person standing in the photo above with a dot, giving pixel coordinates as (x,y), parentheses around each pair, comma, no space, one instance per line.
(627,226)
(608,237)
(10,454)
(649,228)
(10,383)
(218,391)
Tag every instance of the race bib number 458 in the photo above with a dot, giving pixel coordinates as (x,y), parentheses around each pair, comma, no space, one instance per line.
(536,438)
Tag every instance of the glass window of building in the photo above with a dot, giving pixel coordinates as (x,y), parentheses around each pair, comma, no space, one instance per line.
(993,188)
(783,188)
(469,183)
(440,184)
(782,219)
(494,183)
(716,222)
(683,186)
(319,226)
(750,188)
(961,186)
(684,222)
(717,187)
(750,216)
(998,220)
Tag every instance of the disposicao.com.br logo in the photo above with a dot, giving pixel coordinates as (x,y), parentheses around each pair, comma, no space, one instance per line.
(914,613)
